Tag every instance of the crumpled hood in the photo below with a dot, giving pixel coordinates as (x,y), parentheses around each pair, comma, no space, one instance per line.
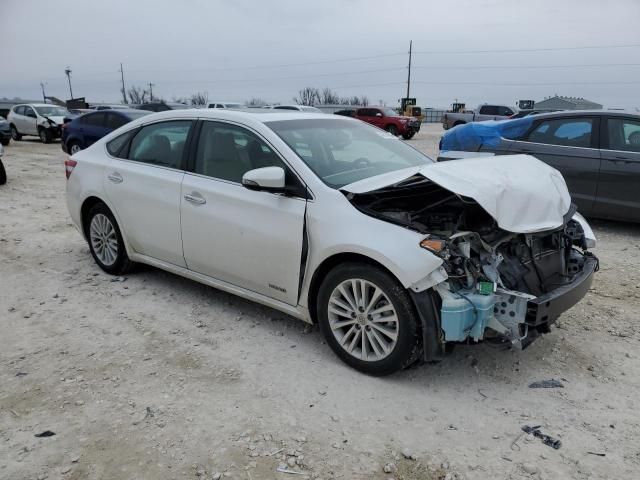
(59,120)
(520,192)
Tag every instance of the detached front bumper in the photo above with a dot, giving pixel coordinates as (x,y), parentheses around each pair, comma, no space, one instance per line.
(546,308)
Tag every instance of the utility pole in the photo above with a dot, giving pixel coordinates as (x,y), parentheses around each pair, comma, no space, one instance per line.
(409,75)
(124,92)
(67,72)
(151,85)
(44,97)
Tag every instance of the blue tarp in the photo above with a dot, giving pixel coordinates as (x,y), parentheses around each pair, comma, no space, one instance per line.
(471,136)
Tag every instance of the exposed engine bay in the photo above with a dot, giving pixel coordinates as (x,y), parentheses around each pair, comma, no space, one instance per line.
(500,284)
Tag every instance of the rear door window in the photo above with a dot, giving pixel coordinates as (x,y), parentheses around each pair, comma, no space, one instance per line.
(115,121)
(624,134)
(161,144)
(488,110)
(95,119)
(568,132)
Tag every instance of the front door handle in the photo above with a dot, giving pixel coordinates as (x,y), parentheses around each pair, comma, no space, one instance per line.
(195,198)
(115,177)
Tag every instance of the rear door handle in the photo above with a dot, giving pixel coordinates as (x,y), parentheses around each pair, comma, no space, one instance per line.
(115,177)
(195,198)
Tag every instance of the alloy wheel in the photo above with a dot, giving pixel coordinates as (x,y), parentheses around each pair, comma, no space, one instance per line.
(75,148)
(363,320)
(104,240)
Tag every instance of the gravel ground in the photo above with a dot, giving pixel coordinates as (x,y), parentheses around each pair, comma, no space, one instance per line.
(151,376)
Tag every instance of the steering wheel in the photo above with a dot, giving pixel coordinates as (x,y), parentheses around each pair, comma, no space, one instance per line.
(361,162)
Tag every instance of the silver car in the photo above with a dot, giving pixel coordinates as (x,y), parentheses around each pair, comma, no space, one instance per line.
(338,223)
(38,119)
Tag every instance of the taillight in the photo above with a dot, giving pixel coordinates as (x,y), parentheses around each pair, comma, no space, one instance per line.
(69,165)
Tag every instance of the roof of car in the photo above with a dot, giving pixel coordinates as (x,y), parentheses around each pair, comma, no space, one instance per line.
(38,105)
(260,115)
(581,113)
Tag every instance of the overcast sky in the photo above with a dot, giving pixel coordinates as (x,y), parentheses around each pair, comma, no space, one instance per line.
(238,49)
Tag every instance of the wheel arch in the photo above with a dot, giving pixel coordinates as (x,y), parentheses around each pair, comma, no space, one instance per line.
(87,204)
(329,264)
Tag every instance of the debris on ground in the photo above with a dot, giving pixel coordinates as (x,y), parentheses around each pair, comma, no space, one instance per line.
(46,433)
(553,383)
(546,439)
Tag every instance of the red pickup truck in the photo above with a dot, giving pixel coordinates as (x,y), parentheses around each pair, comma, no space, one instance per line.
(389,120)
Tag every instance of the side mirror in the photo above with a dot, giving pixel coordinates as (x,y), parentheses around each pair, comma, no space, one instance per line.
(378,114)
(268,179)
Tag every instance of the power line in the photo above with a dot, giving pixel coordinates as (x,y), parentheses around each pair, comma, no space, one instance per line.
(515,84)
(523,50)
(525,67)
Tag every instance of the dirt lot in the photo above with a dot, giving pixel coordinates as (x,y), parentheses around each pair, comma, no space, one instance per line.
(151,376)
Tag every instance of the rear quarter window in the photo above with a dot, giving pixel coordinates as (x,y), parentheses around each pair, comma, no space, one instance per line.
(116,146)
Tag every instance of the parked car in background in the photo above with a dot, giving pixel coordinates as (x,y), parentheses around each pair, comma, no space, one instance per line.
(299,108)
(348,112)
(597,152)
(83,131)
(234,105)
(336,222)
(526,113)
(162,106)
(480,114)
(42,120)
(3,172)
(109,107)
(5,132)
(389,120)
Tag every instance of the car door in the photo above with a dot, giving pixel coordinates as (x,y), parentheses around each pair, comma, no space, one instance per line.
(617,195)
(570,145)
(29,121)
(17,115)
(250,239)
(143,184)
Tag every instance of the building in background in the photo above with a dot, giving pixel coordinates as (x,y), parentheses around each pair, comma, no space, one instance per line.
(567,103)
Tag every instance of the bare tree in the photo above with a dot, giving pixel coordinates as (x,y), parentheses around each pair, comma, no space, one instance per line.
(307,96)
(329,97)
(255,102)
(137,95)
(199,99)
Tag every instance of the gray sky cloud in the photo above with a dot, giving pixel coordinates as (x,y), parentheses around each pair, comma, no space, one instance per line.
(238,49)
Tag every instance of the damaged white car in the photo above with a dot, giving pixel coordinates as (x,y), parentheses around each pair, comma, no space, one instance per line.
(337,222)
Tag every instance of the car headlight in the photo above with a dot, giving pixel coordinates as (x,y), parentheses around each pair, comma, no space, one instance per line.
(589,236)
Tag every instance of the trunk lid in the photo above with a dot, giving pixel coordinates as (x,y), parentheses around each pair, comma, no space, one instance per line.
(521,193)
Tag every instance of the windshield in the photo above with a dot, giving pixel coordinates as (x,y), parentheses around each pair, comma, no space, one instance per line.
(52,111)
(133,114)
(389,112)
(234,105)
(341,151)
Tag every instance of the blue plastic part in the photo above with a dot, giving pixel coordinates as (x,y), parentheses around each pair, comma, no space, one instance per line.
(471,137)
(465,315)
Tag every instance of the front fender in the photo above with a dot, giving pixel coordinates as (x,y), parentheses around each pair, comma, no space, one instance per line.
(336,227)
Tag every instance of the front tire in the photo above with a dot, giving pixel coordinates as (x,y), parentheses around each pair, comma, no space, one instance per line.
(392,129)
(408,136)
(368,319)
(3,174)
(45,135)
(105,241)
(5,142)
(14,133)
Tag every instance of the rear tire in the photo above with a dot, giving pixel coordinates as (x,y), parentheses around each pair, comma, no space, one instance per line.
(391,129)
(45,135)
(5,142)
(459,123)
(381,335)
(408,136)
(73,147)
(105,241)
(3,174)
(14,133)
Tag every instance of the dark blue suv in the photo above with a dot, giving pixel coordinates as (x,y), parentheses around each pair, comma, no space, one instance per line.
(86,129)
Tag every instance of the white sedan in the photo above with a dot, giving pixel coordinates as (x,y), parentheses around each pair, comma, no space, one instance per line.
(338,223)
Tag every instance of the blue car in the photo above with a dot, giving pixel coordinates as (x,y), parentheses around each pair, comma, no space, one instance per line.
(83,131)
